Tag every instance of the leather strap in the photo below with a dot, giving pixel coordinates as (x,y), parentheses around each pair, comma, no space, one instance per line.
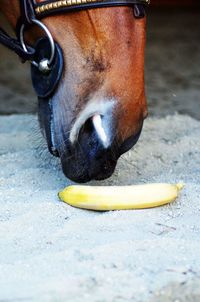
(139,11)
(26,15)
(15,45)
(50,7)
(27,11)
(45,84)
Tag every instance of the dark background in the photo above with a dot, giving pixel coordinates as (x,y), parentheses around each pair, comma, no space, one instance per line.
(172,64)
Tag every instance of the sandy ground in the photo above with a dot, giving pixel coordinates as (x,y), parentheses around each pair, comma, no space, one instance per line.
(50,251)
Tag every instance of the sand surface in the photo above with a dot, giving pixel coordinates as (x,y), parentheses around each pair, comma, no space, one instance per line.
(50,251)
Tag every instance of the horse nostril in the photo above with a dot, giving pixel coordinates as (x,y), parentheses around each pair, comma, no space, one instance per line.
(96,119)
(100,130)
(87,127)
(95,130)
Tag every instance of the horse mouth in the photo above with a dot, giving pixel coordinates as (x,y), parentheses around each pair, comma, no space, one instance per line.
(83,170)
(83,163)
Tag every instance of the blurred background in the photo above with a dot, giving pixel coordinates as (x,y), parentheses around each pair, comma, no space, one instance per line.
(172,64)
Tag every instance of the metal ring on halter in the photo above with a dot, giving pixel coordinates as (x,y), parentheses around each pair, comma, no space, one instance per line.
(51,41)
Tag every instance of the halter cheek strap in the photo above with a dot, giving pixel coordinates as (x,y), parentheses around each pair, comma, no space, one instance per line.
(27,11)
(26,15)
(15,45)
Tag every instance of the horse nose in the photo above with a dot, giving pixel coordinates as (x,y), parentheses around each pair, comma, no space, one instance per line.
(92,153)
(93,147)
(96,132)
(95,135)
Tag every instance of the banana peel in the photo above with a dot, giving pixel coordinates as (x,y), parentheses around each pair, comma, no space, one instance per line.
(106,198)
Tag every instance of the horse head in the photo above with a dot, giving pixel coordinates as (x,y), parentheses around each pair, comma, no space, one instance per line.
(98,108)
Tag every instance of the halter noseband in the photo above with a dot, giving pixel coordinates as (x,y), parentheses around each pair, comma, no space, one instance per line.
(52,7)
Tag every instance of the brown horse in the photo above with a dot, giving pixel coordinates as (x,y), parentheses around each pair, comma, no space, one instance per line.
(99,106)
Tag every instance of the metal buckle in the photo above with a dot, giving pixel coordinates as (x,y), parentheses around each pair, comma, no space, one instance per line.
(45,65)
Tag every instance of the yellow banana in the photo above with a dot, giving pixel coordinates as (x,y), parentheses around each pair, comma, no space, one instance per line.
(107,198)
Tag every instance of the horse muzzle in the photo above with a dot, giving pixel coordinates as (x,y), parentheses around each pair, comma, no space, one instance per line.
(89,163)
(94,155)
(89,150)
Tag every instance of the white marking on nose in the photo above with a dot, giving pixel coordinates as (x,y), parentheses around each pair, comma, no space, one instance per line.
(94,108)
(97,122)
